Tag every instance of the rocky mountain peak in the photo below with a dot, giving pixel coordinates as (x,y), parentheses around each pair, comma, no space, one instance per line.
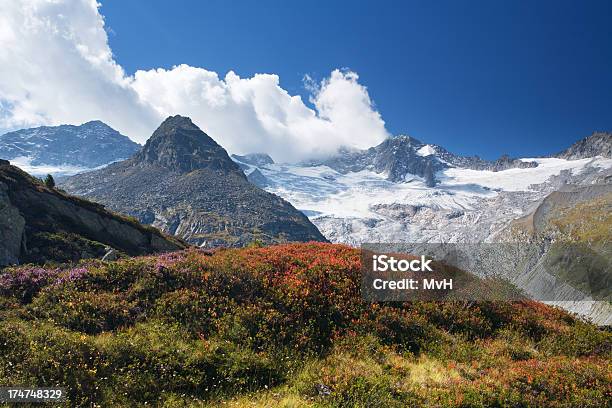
(97,125)
(401,141)
(406,138)
(179,145)
(173,124)
(184,183)
(597,144)
(398,157)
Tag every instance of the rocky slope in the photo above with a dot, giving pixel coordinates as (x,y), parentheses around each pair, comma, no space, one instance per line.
(402,158)
(598,144)
(39,224)
(184,183)
(66,147)
(572,231)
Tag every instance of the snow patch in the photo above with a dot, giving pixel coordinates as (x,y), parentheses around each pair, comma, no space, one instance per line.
(518,179)
(25,164)
(426,150)
(320,191)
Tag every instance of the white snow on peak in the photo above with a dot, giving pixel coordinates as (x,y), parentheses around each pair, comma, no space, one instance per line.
(426,150)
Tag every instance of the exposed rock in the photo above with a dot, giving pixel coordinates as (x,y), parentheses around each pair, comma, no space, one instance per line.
(39,224)
(184,183)
(11,229)
(255,159)
(401,158)
(89,145)
(505,162)
(257,178)
(397,157)
(430,179)
(179,146)
(598,144)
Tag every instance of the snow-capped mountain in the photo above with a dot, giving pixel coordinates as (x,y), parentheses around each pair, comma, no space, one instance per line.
(401,158)
(65,149)
(406,191)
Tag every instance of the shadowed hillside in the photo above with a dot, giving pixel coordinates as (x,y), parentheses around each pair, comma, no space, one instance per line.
(40,224)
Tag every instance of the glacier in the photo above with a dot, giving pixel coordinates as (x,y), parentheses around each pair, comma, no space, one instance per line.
(466,205)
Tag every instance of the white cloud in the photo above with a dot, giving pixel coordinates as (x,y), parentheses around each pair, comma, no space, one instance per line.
(56,67)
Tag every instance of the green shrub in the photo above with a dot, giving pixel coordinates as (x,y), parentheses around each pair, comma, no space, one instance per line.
(87,312)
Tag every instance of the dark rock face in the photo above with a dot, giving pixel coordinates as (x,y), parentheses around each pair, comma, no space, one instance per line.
(598,144)
(505,162)
(396,156)
(254,159)
(177,145)
(91,144)
(184,183)
(256,177)
(399,158)
(39,224)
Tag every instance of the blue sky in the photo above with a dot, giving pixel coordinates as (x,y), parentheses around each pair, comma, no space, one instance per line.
(490,77)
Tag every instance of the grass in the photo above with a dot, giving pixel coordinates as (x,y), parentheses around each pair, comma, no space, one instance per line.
(588,222)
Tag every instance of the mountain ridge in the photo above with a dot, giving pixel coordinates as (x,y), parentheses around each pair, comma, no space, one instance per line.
(401,157)
(597,144)
(89,145)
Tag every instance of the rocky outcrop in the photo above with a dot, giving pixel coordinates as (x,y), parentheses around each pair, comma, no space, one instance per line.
(11,229)
(598,144)
(184,183)
(257,178)
(39,224)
